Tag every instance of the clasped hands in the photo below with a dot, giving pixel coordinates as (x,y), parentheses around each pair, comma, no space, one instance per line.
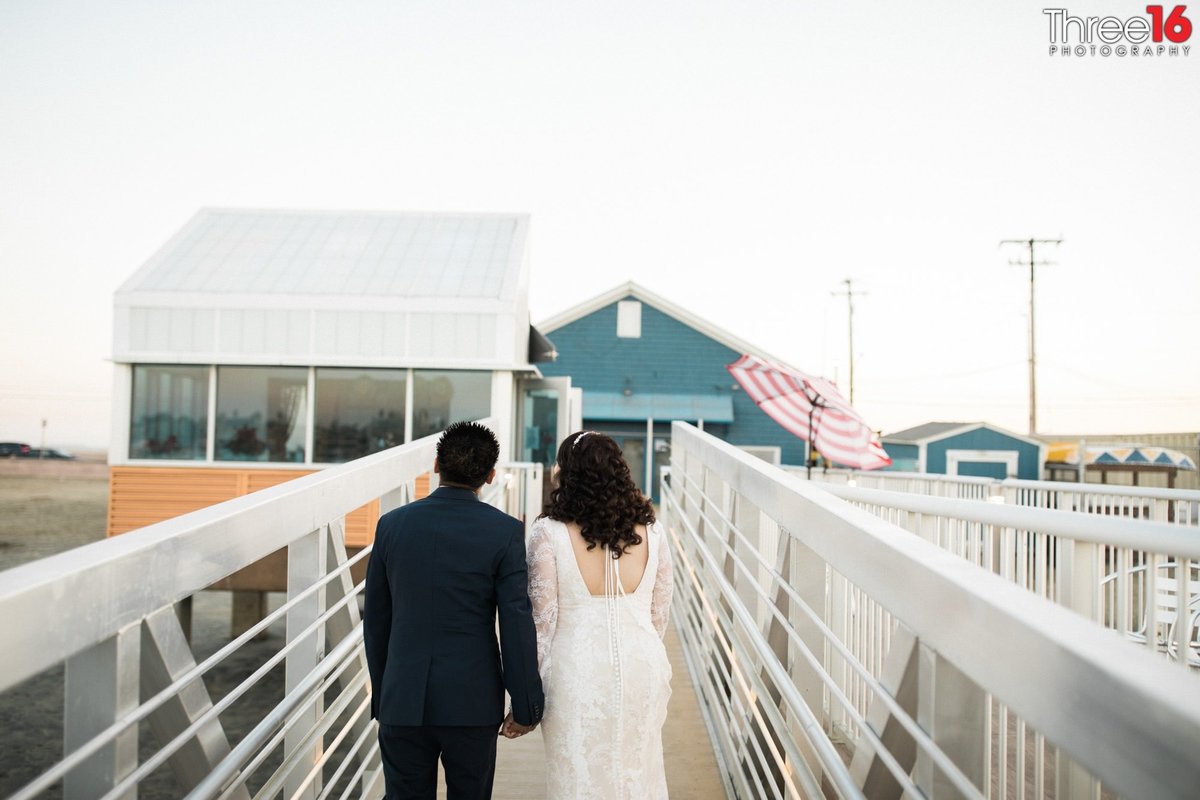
(511,729)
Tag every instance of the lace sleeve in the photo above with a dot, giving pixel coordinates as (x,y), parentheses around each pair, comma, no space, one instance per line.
(664,584)
(543,587)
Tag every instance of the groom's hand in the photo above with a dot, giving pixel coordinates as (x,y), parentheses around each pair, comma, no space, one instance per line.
(511,729)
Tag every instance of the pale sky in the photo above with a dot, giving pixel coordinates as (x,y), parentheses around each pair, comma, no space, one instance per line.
(739,157)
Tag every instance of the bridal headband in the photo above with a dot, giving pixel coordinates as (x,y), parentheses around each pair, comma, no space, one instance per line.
(575,443)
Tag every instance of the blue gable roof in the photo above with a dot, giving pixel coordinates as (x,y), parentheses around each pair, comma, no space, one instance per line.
(985,438)
(670,358)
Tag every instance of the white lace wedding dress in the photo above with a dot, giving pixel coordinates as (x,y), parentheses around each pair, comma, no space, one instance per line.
(604,670)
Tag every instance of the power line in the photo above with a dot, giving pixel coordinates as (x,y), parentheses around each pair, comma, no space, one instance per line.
(22,394)
(1119,386)
(942,376)
(1032,348)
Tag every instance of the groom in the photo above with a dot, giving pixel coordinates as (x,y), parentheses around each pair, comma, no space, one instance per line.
(441,569)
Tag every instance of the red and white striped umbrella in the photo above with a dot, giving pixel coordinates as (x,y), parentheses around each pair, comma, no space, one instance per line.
(813,409)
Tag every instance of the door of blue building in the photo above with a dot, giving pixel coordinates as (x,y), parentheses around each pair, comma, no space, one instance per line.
(545,417)
(547,410)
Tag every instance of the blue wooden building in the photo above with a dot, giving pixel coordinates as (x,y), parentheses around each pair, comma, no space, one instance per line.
(965,448)
(643,362)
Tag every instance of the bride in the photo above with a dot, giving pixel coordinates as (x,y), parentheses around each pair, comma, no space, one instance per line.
(600,582)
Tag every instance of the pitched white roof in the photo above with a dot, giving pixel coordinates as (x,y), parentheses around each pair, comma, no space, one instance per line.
(265,252)
(333,288)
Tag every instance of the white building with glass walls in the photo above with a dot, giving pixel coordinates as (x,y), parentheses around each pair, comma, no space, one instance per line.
(291,340)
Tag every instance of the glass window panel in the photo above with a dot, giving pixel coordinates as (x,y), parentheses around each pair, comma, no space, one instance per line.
(441,397)
(170,412)
(359,411)
(540,442)
(261,413)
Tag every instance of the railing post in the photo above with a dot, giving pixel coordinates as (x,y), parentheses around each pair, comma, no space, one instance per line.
(165,656)
(806,573)
(1079,574)
(955,712)
(307,557)
(898,677)
(1183,612)
(691,492)
(101,686)
(927,528)
(1073,782)
(838,620)
(534,479)
(343,623)
(395,498)
(743,516)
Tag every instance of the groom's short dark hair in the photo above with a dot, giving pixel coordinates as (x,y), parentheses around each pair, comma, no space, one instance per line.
(466,453)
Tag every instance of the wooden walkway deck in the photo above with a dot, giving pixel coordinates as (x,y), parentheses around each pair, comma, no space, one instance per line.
(691,766)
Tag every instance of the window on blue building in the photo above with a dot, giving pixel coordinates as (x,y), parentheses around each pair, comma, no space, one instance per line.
(629,319)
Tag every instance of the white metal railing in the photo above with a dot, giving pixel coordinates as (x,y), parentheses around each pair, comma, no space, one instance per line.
(1127,574)
(1180,506)
(107,611)
(964,486)
(837,654)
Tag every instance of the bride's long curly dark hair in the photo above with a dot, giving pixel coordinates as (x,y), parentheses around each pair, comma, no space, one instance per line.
(595,490)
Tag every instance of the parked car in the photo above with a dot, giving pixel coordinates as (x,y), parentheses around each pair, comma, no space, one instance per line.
(13,449)
(46,452)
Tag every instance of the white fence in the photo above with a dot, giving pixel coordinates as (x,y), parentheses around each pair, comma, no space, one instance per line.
(1126,573)
(963,487)
(837,654)
(1180,506)
(107,611)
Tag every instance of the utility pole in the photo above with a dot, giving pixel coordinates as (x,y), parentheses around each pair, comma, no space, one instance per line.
(849,294)
(1031,243)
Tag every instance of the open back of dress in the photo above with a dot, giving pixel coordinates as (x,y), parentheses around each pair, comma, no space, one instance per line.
(604,670)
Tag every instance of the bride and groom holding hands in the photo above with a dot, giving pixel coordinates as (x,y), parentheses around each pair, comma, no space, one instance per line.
(582,609)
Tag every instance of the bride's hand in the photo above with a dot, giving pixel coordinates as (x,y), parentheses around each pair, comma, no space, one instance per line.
(511,729)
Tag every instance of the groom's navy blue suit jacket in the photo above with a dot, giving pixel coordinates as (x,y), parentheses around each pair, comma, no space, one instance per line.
(441,570)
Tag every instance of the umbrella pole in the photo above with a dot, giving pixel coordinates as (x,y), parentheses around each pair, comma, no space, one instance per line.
(812,443)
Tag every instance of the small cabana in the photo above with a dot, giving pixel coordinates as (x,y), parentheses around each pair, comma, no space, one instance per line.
(1063,461)
(977,449)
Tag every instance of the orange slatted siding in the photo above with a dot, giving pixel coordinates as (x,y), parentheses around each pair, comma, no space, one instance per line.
(140,496)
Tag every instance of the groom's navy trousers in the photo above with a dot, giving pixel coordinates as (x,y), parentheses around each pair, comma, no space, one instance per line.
(441,571)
